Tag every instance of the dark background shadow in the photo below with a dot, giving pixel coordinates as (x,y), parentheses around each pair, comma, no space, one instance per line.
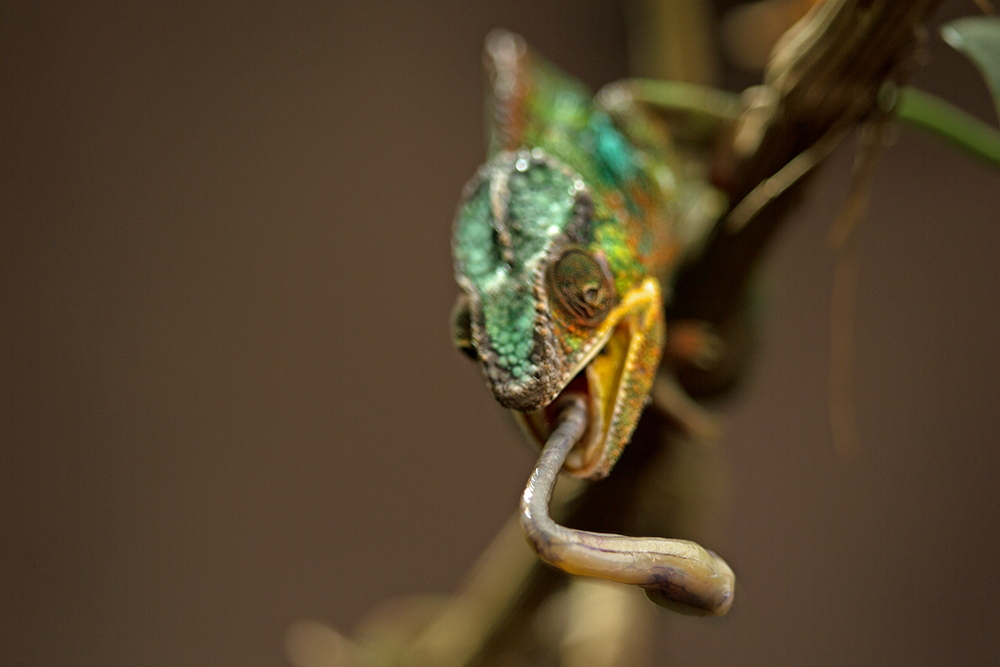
(228,395)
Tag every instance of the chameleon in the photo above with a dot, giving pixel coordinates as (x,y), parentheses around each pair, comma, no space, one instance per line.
(565,243)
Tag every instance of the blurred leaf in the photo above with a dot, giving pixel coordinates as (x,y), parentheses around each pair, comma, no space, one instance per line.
(978,37)
(932,114)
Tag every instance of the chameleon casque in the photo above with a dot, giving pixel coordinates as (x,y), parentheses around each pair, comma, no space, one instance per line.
(565,244)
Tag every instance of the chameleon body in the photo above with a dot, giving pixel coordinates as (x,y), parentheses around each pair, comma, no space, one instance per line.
(563,242)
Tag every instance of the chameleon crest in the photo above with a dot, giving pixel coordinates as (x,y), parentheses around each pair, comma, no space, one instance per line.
(561,241)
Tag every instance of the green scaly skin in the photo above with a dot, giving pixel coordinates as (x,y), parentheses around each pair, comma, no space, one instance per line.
(563,241)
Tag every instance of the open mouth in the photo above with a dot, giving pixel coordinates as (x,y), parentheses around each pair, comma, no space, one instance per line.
(615,380)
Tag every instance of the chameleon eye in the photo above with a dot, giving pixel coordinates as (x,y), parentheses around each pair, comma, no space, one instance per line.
(580,287)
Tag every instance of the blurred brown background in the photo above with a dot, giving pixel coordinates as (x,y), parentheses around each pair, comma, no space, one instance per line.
(228,399)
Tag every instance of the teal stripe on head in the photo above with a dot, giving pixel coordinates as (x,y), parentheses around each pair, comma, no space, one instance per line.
(615,158)
(475,243)
(509,313)
(539,210)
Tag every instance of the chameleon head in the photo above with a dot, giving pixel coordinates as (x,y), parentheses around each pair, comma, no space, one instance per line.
(556,242)
(543,309)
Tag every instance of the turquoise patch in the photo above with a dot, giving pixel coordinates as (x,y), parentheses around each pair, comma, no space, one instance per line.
(615,157)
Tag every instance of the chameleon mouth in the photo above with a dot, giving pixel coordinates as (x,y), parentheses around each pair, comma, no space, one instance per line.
(614,379)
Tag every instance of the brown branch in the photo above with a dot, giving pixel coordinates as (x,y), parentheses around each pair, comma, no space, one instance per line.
(823,79)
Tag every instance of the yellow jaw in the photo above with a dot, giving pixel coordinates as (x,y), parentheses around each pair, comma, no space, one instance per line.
(616,378)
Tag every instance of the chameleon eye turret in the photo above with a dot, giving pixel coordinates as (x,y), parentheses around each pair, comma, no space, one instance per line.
(580,288)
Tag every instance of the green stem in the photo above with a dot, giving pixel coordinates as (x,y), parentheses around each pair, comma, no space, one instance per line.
(932,114)
(688,97)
